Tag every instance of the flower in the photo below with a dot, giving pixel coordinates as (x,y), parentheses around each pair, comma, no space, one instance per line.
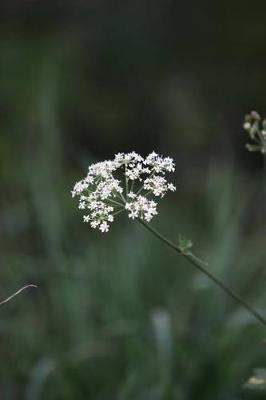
(141,208)
(256,128)
(129,183)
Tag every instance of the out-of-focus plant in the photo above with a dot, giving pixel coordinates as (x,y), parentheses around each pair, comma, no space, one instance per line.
(255,126)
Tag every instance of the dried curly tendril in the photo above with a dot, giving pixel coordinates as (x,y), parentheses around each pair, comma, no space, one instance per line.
(128,183)
(256,128)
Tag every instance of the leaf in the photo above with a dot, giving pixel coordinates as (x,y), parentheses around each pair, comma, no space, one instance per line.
(184,244)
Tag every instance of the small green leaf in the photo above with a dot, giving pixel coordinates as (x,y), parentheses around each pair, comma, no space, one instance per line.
(184,243)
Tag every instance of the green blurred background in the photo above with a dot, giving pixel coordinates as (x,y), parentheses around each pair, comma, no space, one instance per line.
(120,316)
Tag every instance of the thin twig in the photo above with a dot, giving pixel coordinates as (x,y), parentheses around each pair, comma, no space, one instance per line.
(16,293)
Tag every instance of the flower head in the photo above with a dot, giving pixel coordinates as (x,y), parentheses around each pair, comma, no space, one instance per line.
(128,183)
(256,128)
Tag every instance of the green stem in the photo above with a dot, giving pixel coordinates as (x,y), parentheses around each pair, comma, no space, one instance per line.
(110,200)
(126,180)
(132,186)
(118,212)
(201,266)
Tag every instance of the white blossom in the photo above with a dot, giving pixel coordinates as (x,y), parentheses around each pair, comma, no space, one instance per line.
(104,227)
(131,195)
(157,185)
(141,208)
(129,183)
(171,187)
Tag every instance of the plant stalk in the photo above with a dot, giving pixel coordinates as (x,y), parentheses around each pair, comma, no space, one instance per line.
(201,266)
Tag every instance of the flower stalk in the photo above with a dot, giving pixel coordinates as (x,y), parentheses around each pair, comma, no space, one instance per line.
(103,196)
(201,266)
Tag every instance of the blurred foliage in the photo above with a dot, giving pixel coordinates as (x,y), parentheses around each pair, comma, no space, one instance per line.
(119,316)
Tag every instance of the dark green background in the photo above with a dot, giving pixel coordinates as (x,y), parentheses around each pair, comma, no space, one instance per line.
(120,316)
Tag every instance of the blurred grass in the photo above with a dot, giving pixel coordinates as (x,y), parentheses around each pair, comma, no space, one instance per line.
(120,316)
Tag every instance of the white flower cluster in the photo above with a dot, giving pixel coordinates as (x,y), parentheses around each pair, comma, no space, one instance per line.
(125,183)
(256,128)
